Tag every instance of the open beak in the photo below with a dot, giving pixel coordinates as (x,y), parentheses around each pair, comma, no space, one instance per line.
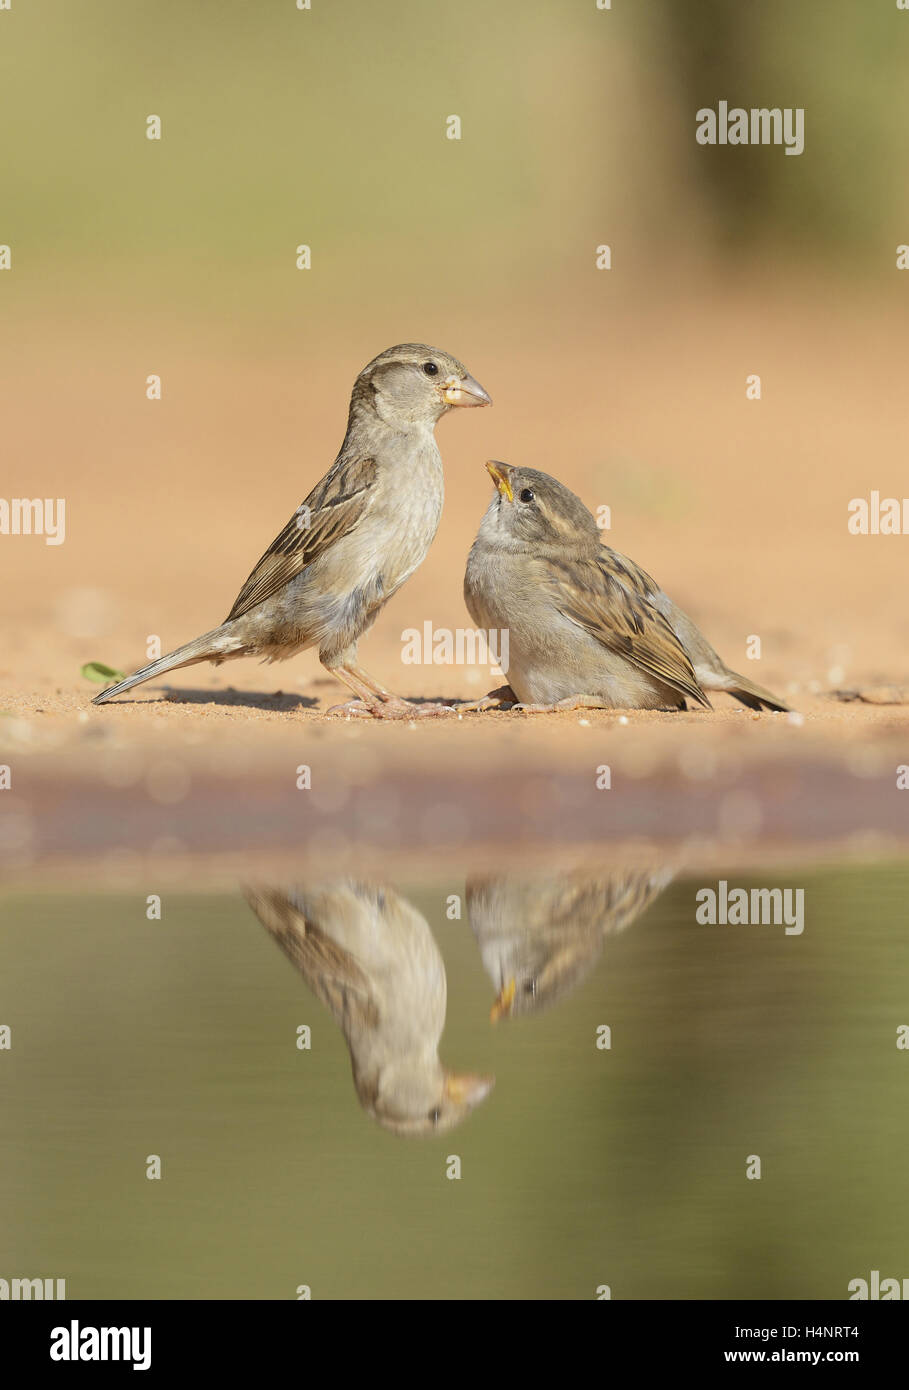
(465,390)
(465,1089)
(504,1001)
(499,472)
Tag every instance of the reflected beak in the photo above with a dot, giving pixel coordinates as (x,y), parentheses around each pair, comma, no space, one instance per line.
(465,1089)
(465,391)
(504,1001)
(499,472)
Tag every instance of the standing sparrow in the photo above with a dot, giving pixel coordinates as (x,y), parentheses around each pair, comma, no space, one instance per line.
(360,533)
(371,959)
(586,627)
(540,937)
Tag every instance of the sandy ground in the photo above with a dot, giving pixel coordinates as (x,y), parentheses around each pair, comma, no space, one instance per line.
(738,508)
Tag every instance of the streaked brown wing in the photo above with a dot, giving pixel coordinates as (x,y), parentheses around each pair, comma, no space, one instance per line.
(331,972)
(335,506)
(609,597)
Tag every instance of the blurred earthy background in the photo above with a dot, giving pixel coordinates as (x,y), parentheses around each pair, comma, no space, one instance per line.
(326,127)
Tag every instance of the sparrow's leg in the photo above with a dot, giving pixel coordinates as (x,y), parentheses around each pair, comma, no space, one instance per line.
(368,691)
(503,698)
(374,701)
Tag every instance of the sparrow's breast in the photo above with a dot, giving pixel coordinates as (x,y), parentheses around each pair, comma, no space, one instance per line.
(337,598)
(407,513)
(504,592)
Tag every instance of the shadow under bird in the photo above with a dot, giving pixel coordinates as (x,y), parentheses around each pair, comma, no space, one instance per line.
(371,959)
(540,937)
(587,627)
(359,535)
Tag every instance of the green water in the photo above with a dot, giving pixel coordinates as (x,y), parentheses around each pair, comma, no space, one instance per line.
(585,1166)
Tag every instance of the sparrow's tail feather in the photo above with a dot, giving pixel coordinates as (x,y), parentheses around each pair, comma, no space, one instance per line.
(752,695)
(211,646)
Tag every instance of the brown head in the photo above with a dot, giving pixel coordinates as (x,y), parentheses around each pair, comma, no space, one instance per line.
(413,384)
(534,511)
(418,1097)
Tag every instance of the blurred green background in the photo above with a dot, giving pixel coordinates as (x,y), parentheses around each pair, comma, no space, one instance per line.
(327,127)
(584,1167)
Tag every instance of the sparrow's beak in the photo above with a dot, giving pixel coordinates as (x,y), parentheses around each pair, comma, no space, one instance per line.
(464,390)
(498,472)
(464,1089)
(504,1001)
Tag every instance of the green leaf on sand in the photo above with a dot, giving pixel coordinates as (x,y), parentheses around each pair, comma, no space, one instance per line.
(101,674)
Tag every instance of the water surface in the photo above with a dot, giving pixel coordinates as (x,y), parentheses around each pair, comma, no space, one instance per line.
(583,1166)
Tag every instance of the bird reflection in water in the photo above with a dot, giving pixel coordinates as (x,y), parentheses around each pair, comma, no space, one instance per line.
(371,959)
(540,937)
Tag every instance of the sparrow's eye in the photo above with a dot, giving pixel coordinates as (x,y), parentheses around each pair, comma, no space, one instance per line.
(526,494)
(430,369)
(530,987)
(435,1116)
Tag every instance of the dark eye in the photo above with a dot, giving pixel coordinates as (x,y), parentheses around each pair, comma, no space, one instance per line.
(435,1116)
(530,987)
(526,494)
(430,369)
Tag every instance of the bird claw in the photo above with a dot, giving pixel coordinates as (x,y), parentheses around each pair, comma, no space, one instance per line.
(394,708)
(478,706)
(397,708)
(500,699)
(351,709)
(570,702)
(404,709)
